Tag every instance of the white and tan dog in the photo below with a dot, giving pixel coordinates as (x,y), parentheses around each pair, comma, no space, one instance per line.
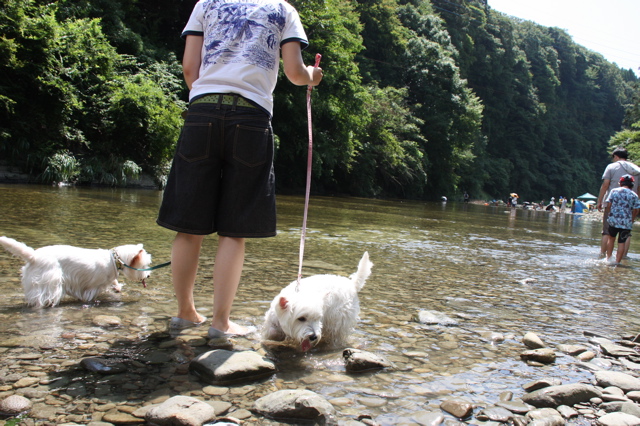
(321,309)
(52,272)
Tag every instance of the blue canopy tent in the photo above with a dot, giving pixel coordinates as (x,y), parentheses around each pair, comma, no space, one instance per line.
(579,207)
(587,197)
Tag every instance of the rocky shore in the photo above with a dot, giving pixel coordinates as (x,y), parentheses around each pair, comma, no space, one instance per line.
(187,380)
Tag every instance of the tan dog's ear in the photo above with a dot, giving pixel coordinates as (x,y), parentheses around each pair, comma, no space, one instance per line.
(136,259)
(283,302)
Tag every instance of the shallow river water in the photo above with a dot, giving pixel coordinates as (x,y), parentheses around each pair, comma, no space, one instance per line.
(491,270)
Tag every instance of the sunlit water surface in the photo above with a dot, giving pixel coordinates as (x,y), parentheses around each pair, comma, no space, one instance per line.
(490,269)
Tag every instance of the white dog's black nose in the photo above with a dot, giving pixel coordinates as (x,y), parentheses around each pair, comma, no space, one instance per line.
(313,337)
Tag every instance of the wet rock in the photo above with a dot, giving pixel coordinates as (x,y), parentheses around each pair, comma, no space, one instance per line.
(428,418)
(102,366)
(541,383)
(618,419)
(572,350)
(567,412)
(458,408)
(544,356)
(434,318)
(25,382)
(357,361)
(623,407)
(618,379)
(295,404)
(516,407)
(611,348)
(14,405)
(586,356)
(554,396)
(119,418)
(222,366)
(181,411)
(106,321)
(545,417)
(496,414)
(532,341)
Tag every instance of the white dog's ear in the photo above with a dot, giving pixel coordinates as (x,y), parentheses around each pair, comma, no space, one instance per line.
(137,259)
(283,302)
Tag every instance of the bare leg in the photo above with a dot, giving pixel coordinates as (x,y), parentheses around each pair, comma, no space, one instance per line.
(185,254)
(226,279)
(604,244)
(627,244)
(610,242)
(620,253)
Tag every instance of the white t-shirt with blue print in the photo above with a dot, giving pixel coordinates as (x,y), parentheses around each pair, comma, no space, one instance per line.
(623,201)
(241,48)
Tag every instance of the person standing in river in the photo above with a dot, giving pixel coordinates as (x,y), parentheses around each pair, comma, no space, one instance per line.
(222,179)
(610,178)
(623,208)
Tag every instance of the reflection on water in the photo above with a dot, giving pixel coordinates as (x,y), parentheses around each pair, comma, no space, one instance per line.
(493,270)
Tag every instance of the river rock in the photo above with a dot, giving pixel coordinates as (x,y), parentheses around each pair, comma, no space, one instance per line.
(458,408)
(118,418)
(357,360)
(618,379)
(428,418)
(623,407)
(532,341)
(544,355)
(516,407)
(222,366)
(107,321)
(14,405)
(545,417)
(554,396)
(567,412)
(572,350)
(541,383)
(496,414)
(181,411)
(102,366)
(434,318)
(611,348)
(618,419)
(295,404)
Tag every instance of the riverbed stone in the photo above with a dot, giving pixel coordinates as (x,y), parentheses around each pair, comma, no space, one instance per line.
(107,321)
(533,341)
(434,318)
(572,350)
(621,406)
(14,405)
(618,419)
(624,381)
(102,365)
(517,407)
(611,348)
(357,360)
(427,418)
(295,404)
(121,418)
(181,411)
(543,355)
(545,417)
(221,366)
(495,413)
(457,407)
(554,396)
(567,412)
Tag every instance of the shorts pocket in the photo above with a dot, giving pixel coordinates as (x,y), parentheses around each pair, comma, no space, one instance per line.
(194,143)
(251,145)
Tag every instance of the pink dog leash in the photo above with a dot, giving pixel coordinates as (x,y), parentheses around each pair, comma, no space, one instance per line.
(309,162)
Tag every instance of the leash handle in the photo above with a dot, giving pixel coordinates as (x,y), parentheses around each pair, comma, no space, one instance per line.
(308,188)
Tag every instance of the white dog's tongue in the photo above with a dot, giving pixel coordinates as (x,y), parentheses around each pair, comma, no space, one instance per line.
(306,345)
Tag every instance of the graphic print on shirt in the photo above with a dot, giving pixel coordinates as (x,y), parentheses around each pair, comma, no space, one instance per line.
(243,32)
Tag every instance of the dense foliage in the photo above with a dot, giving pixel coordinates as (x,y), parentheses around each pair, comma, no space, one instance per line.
(421,98)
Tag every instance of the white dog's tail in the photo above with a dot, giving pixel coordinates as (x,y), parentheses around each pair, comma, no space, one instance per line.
(363,272)
(18,249)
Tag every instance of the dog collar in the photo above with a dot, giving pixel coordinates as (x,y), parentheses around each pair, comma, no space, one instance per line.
(117,262)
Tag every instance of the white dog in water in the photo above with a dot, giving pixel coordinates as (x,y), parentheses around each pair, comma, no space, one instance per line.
(52,272)
(323,308)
